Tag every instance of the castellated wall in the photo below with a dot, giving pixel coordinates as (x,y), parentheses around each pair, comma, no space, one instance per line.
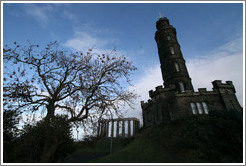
(168,104)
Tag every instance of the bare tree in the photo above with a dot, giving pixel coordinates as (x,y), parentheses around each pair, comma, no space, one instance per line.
(78,85)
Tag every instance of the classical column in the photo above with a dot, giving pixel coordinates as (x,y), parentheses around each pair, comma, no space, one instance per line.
(117,129)
(107,128)
(137,126)
(101,128)
(98,129)
(112,129)
(104,132)
(134,127)
(123,128)
(129,128)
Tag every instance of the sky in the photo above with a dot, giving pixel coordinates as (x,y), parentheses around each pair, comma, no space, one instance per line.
(210,36)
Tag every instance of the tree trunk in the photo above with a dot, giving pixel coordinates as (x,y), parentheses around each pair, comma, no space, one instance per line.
(50,143)
(50,111)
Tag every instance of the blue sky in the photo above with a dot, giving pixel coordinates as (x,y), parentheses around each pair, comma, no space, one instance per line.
(210,35)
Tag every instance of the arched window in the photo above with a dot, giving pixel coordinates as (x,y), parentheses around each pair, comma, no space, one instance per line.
(168,37)
(176,66)
(181,87)
(172,50)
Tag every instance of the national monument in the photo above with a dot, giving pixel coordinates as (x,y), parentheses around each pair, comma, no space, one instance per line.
(177,99)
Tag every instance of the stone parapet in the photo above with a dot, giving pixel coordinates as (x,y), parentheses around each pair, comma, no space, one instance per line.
(118,119)
(217,84)
(200,92)
(144,105)
(160,89)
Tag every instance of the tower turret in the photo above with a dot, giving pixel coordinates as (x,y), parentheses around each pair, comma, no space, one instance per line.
(173,68)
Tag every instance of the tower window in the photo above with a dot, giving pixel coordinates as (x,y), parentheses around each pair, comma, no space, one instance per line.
(205,107)
(168,37)
(181,87)
(176,66)
(199,107)
(193,108)
(172,50)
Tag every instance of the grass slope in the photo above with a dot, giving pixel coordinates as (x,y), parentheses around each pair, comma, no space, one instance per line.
(94,149)
(198,139)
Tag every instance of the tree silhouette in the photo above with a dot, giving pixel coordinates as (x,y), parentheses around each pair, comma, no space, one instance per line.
(81,86)
(10,133)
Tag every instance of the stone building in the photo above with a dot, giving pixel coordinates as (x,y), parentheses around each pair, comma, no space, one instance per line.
(177,99)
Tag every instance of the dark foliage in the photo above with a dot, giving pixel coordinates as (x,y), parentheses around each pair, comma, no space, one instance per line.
(90,141)
(28,148)
(10,132)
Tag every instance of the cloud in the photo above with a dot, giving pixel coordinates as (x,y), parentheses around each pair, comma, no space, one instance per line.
(44,14)
(224,63)
(91,38)
(41,13)
(84,41)
(89,35)
(203,72)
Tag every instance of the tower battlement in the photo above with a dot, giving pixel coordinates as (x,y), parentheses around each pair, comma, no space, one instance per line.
(144,105)
(217,84)
(159,89)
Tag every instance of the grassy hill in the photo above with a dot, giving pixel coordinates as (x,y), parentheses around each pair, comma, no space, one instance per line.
(198,139)
(95,148)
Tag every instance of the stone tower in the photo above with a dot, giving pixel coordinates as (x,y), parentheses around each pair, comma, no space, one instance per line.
(173,68)
(177,99)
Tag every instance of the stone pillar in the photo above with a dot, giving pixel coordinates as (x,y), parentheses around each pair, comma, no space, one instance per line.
(112,129)
(98,129)
(101,129)
(129,128)
(134,128)
(137,125)
(123,128)
(107,128)
(117,129)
